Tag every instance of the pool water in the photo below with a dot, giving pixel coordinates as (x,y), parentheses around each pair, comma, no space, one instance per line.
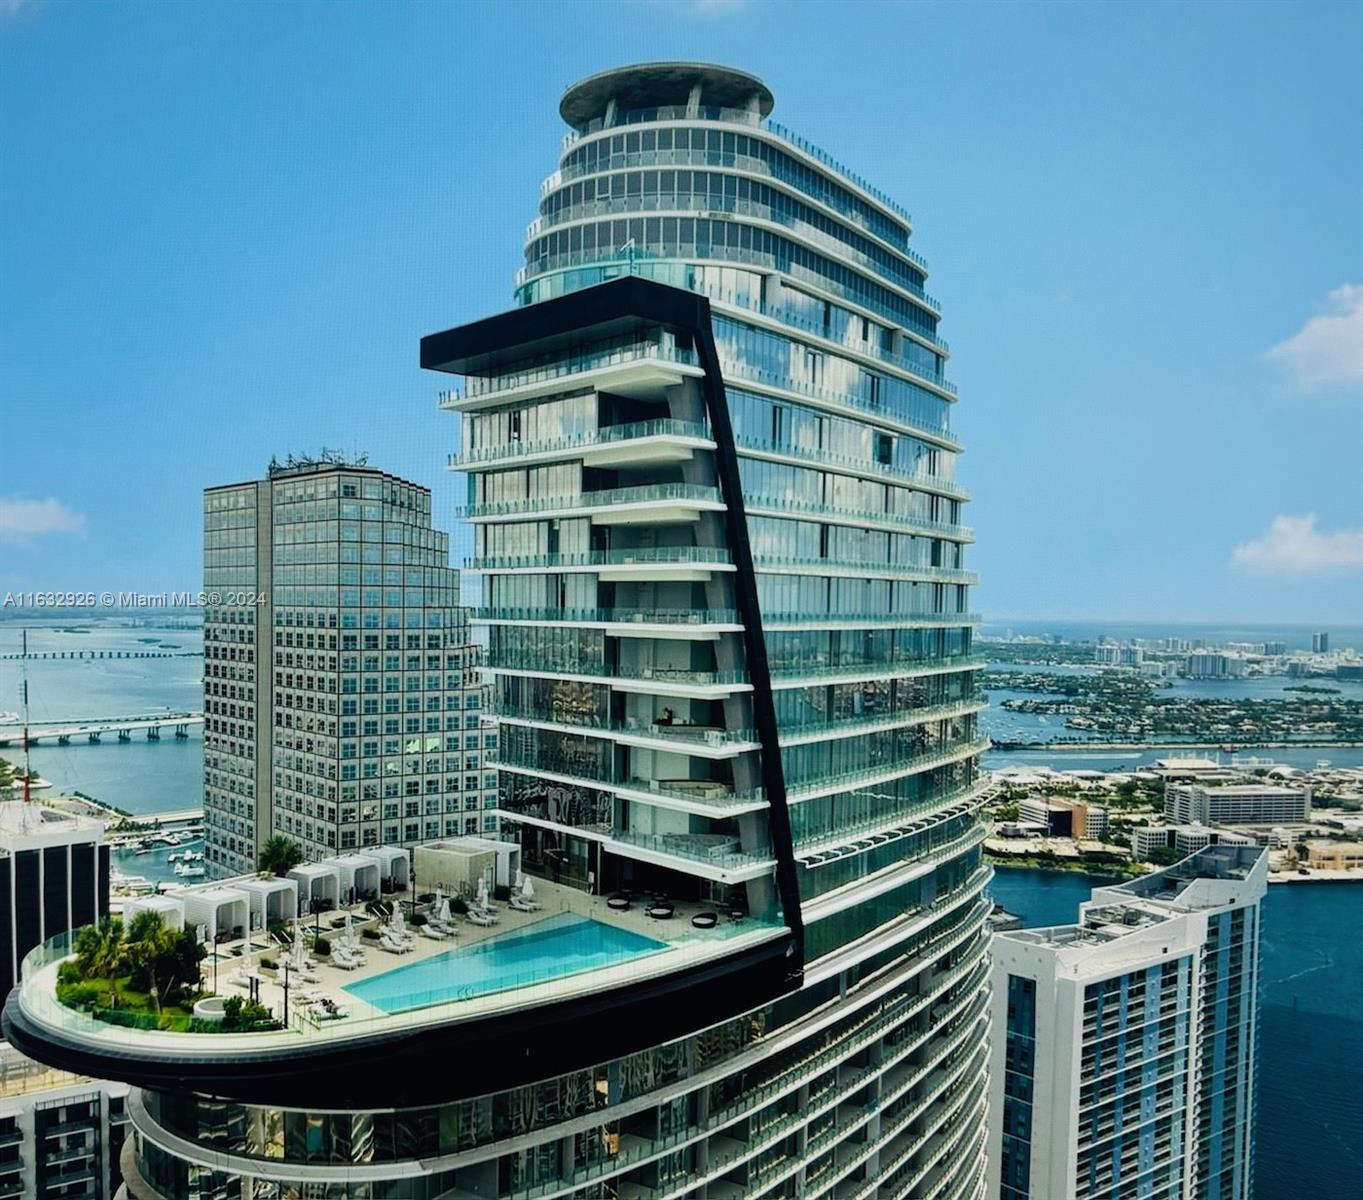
(549,949)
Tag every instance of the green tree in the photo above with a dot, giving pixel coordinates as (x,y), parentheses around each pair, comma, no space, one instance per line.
(164,962)
(1166,856)
(280,855)
(100,949)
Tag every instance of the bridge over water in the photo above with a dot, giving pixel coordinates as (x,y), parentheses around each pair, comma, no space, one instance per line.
(93,731)
(92,654)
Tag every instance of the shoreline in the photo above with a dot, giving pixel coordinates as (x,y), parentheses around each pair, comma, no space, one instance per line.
(1082,747)
(1125,873)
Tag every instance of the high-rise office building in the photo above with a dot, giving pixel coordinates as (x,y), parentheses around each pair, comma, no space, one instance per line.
(54,877)
(1123,1053)
(719,531)
(60,1133)
(1320,643)
(342,704)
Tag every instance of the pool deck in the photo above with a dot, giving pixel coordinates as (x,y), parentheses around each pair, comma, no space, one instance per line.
(685,947)
(556,899)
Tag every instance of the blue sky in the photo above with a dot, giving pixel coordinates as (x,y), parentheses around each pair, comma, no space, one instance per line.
(226,227)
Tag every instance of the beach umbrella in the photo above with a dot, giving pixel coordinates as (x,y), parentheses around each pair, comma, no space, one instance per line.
(527,888)
(482,893)
(397,924)
(348,935)
(443,913)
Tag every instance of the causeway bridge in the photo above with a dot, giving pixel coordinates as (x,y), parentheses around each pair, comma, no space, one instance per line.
(89,654)
(93,731)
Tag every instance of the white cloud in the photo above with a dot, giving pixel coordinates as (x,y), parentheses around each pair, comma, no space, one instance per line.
(1328,348)
(1294,546)
(23,520)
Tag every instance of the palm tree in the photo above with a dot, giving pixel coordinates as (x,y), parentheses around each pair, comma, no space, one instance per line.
(279,855)
(100,949)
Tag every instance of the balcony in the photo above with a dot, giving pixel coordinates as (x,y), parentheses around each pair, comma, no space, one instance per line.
(701,740)
(621,622)
(865,518)
(672,203)
(638,369)
(856,723)
(851,620)
(637,564)
(651,504)
(881,773)
(647,680)
(797,675)
(798,565)
(638,444)
(703,797)
(763,447)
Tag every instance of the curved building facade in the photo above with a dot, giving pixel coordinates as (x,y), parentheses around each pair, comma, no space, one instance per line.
(712,479)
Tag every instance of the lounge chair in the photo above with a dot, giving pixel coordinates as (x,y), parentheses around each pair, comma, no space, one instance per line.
(432,932)
(480,916)
(523,904)
(341,957)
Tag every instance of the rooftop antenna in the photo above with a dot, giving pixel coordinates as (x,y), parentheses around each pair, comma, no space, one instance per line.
(27,769)
(23,668)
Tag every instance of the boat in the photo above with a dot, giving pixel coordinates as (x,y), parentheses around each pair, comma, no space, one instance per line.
(190,871)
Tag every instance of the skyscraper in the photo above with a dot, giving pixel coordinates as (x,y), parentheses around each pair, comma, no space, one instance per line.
(713,487)
(1123,1060)
(342,706)
(60,1133)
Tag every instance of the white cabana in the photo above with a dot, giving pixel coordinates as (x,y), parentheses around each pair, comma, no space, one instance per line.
(168,908)
(508,858)
(395,866)
(316,881)
(220,910)
(271,900)
(359,875)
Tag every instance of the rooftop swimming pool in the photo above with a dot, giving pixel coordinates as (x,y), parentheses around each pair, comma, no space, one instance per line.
(550,949)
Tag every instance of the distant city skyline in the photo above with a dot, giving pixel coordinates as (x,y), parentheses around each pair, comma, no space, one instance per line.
(238,221)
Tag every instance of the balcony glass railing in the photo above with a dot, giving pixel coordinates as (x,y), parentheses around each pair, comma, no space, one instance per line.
(871,620)
(711,849)
(891,670)
(821,839)
(827,160)
(608,775)
(548,665)
(864,723)
(662,349)
(741,372)
(479,455)
(608,498)
(636,556)
(867,516)
(637,259)
(856,466)
(674,203)
(749,164)
(776,563)
(611,616)
(806,789)
(670,732)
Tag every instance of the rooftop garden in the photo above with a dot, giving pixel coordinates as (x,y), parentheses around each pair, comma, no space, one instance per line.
(147,976)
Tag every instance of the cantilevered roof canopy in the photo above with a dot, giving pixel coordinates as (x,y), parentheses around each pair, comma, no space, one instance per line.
(662,84)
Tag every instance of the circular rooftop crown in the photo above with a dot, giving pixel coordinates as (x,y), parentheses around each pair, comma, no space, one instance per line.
(656,85)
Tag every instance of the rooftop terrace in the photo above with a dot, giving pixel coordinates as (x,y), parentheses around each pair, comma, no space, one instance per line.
(509,973)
